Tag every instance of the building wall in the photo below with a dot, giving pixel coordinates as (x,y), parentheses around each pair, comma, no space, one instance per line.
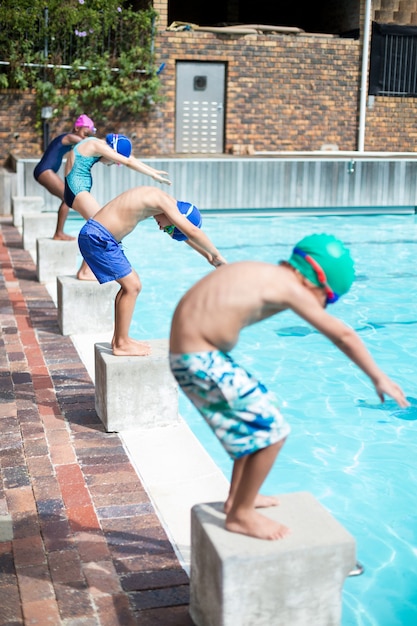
(284,92)
(17,115)
(391,123)
(402,12)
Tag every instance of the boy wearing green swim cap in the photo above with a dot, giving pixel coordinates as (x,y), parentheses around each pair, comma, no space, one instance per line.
(243,414)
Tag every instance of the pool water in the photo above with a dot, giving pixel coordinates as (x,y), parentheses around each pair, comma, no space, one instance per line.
(354,454)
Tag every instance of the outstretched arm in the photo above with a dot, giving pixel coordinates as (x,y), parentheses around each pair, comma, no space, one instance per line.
(196,238)
(159,175)
(213,259)
(351,345)
(349,342)
(111,155)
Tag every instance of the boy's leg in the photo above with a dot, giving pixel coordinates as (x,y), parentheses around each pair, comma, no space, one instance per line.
(124,306)
(225,394)
(247,479)
(261,501)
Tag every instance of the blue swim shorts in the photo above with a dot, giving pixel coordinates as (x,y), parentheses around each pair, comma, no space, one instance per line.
(242,413)
(102,252)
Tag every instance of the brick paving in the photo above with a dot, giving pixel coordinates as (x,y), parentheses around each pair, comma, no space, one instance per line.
(87,547)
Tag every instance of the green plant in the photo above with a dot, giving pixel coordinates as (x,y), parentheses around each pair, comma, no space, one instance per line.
(92,55)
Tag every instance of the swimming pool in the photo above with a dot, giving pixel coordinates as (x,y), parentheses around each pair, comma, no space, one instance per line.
(355,455)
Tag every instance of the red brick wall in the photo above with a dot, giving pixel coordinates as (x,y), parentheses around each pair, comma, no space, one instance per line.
(391,125)
(20,134)
(284,92)
(17,114)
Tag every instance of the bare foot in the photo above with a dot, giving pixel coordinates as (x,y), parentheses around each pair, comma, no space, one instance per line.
(85,273)
(63,237)
(263,502)
(256,525)
(132,348)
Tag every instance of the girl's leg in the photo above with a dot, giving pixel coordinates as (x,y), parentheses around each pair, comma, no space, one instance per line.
(87,206)
(62,216)
(124,306)
(55,185)
(85,273)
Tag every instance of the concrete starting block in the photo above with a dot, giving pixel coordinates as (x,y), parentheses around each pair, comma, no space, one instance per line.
(135,391)
(237,580)
(25,204)
(36,226)
(85,306)
(54,258)
(7,184)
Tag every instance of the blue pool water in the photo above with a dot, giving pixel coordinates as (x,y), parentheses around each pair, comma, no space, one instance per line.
(356,455)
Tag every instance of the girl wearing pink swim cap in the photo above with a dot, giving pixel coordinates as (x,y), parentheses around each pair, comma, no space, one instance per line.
(45,172)
(84,120)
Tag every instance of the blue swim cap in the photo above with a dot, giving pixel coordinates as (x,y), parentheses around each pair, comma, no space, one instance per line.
(120,143)
(191,213)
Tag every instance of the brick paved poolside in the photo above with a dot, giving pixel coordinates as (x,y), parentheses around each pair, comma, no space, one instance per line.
(88,548)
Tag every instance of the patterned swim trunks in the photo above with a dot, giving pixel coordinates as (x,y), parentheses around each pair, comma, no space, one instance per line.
(242,413)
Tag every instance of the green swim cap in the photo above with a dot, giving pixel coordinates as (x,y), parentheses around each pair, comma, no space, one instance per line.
(332,256)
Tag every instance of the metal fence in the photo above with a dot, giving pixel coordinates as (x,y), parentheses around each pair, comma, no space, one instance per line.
(338,185)
(399,72)
(49,37)
(393,70)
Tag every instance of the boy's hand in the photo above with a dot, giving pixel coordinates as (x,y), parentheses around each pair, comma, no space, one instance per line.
(216,261)
(386,386)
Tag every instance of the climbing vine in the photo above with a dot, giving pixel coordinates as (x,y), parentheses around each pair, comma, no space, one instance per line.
(89,55)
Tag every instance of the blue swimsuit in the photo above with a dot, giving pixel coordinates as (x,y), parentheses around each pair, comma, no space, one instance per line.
(79,178)
(52,157)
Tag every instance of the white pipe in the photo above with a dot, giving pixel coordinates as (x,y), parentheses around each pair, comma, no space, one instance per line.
(364,76)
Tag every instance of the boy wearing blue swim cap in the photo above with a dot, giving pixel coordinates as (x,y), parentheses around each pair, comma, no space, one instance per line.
(243,414)
(99,242)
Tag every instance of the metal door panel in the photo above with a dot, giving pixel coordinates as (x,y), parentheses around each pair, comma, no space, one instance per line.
(199,120)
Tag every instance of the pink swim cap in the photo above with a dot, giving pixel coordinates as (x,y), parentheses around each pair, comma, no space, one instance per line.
(84,120)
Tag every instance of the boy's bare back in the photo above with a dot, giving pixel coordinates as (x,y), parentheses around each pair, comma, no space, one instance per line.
(122,214)
(214,311)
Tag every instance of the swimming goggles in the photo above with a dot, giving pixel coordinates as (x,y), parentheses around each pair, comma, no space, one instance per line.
(169,229)
(331,296)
